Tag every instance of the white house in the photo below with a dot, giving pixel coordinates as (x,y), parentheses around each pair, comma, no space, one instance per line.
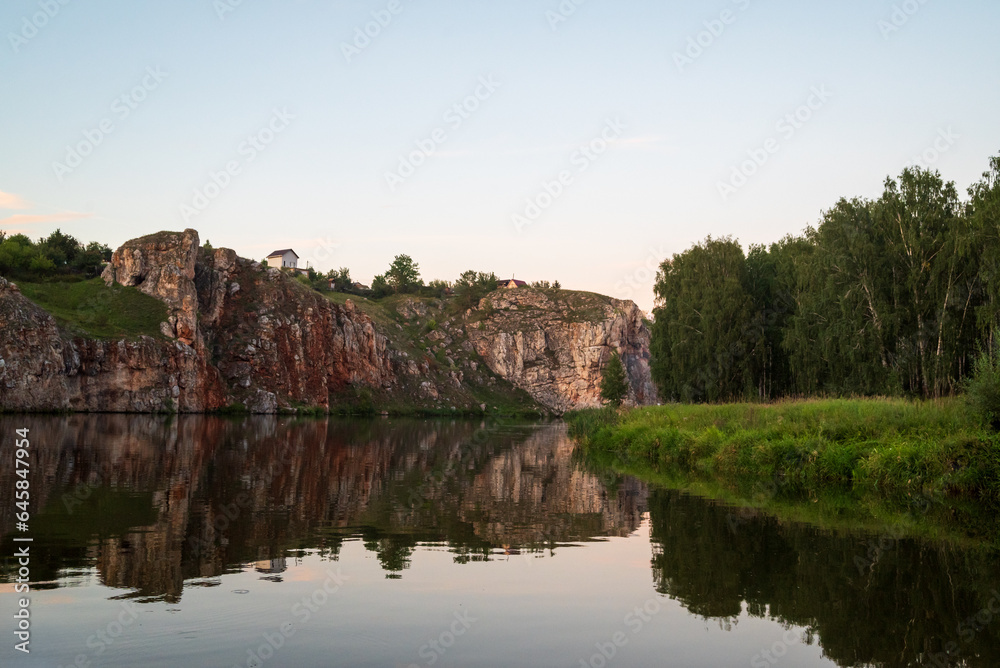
(283,259)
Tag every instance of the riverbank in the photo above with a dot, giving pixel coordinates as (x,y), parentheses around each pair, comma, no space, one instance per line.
(886,447)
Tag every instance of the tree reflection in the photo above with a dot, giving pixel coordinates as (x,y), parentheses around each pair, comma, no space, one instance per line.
(912,606)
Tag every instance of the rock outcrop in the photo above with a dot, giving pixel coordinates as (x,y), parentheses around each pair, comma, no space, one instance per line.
(162,265)
(31,353)
(43,369)
(276,342)
(241,334)
(554,344)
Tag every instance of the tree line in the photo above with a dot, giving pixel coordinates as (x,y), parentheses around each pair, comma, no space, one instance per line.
(58,255)
(889,296)
(403,277)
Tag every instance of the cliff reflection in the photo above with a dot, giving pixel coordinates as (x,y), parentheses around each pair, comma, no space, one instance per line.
(154,502)
(916,603)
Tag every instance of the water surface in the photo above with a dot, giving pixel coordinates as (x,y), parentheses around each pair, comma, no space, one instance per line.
(196,541)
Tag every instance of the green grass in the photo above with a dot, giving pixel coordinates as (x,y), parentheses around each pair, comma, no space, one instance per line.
(891,447)
(89,308)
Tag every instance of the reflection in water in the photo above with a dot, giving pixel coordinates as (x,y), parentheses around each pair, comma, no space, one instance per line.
(162,508)
(154,502)
(868,600)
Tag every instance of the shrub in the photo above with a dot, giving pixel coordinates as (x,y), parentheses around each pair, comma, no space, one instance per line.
(983,388)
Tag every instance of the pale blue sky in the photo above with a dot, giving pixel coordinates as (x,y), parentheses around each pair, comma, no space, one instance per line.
(322,180)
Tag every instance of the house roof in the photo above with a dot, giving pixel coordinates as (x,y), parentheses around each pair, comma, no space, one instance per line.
(508,281)
(279,253)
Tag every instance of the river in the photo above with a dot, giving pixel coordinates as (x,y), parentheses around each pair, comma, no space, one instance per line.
(274,541)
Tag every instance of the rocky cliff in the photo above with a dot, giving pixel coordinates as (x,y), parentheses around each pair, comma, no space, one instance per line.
(43,368)
(555,343)
(241,334)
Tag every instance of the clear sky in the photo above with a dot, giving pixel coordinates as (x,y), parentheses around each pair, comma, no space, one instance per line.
(115,115)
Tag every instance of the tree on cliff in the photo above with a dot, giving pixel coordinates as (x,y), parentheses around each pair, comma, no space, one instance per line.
(614,382)
(340,279)
(472,286)
(403,274)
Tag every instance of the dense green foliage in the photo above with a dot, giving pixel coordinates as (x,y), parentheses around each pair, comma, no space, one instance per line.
(56,255)
(983,388)
(891,296)
(472,286)
(339,280)
(887,446)
(403,278)
(403,275)
(702,298)
(90,308)
(614,382)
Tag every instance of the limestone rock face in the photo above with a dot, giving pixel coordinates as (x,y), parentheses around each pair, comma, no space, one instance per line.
(554,344)
(162,265)
(213,283)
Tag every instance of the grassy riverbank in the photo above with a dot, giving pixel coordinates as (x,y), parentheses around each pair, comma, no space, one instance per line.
(890,447)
